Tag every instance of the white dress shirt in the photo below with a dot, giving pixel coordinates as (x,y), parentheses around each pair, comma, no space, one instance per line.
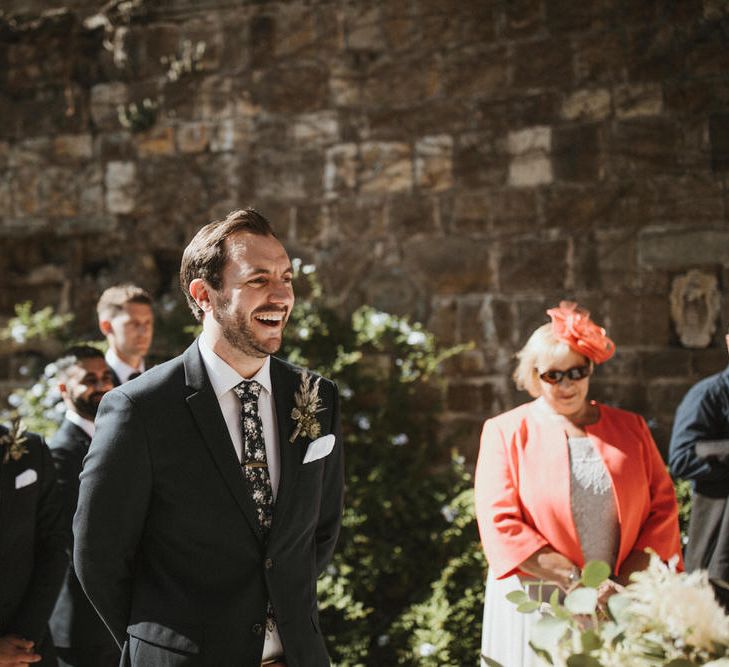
(122,369)
(223,378)
(86,425)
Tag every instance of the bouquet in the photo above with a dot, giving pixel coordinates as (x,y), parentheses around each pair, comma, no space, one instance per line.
(662,618)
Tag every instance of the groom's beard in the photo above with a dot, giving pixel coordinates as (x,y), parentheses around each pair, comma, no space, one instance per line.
(237,331)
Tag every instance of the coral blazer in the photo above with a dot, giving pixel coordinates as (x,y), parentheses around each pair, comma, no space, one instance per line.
(523,487)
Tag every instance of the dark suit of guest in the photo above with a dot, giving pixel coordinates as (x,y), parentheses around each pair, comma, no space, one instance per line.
(701,417)
(78,632)
(33,555)
(168,545)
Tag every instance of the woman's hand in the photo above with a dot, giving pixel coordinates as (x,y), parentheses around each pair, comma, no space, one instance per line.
(550,565)
(605,591)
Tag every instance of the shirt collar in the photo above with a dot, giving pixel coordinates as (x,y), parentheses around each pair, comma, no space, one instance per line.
(122,369)
(86,425)
(224,377)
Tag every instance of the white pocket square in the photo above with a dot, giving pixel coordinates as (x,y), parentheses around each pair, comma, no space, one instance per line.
(319,448)
(26,478)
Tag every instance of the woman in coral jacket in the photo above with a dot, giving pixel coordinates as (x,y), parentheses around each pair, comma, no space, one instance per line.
(563,480)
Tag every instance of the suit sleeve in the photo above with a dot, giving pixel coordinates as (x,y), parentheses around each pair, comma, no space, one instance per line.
(698,418)
(330,513)
(659,531)
(50,556)
(68,464)
(113,499)
(507,539)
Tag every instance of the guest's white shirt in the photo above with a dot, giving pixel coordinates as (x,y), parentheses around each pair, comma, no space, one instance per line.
(86,425)
(223,378)
(122,369)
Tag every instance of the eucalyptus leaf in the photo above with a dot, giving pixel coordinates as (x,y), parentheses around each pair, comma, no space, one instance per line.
(554,598)
(582,660)
(582,601)
(489,662)
(528,607)
(594,573)
(547,632)
(517,597)
(544,655)
(618,606)
(591,641)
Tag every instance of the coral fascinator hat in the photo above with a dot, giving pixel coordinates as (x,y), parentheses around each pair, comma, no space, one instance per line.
(572,324)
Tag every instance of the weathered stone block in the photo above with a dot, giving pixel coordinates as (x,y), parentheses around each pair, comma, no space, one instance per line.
(362,28)
(409,214)
(530,170)
(634,101)
(340,170)
(157,141)
(294,88)
(522,18)
(73,146)
(121,186)
(472,212)
(476,72)
(678,248)
(668,363)
(643,146)
(523,265)
(386,167)
(465,396)
(58,192)
(106,98)
(546,63)
(231,134)
(316,128)
(192,137)
(576,153)
(479,160)
(434,162)
(449,265)
(587,105)
(443,319)
(400,83)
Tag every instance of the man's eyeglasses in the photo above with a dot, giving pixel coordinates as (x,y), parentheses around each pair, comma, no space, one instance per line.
(575,373)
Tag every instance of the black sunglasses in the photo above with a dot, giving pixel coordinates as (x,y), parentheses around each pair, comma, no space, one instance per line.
(574,373)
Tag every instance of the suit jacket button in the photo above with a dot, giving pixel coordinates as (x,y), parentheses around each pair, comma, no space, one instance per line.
(268,563)
(257,629)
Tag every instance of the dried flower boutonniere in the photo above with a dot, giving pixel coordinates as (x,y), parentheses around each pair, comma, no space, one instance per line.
(308,404)
(14,441)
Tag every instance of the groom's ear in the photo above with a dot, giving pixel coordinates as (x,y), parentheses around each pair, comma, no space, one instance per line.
(199,292)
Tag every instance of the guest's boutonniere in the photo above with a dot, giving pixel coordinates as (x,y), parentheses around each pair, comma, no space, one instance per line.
(308,404)
(14,441)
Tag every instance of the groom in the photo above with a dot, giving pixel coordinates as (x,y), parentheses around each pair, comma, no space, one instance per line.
(211,497)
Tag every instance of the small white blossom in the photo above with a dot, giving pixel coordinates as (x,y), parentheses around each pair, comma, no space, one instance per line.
(383,640)
(426,649)
(400,439)
(18,332)
(346,392)
(307,269)
(379,319)
(304,333)
(416,338)
(15,400)
(449,514)
(363,423)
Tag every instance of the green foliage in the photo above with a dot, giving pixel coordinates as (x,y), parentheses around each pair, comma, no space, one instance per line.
(29,325)
(408,571)
(683,495)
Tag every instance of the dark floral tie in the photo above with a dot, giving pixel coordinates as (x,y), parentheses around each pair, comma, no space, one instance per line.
(253,459)
(255,466)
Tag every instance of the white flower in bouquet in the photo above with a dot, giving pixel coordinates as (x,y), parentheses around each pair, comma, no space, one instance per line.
(681,606)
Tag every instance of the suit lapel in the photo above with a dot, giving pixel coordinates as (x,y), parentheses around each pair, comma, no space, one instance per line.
(206,413)
(285,383)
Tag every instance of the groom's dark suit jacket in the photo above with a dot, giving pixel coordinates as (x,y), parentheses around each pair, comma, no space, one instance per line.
(74,622)
(167,544)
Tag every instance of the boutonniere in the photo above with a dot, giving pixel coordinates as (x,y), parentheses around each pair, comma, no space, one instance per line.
(308,404)
(14,441)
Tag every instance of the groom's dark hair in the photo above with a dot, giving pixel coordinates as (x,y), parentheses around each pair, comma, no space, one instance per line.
(205,256)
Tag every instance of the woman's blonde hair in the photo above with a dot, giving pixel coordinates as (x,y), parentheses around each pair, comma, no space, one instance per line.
(543,346)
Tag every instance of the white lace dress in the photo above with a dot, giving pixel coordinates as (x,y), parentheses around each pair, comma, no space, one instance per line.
(505,630)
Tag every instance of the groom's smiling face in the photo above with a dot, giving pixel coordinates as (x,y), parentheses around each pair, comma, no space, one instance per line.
(257,296)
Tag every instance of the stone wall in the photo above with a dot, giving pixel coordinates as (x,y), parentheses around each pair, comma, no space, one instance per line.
(467,162)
